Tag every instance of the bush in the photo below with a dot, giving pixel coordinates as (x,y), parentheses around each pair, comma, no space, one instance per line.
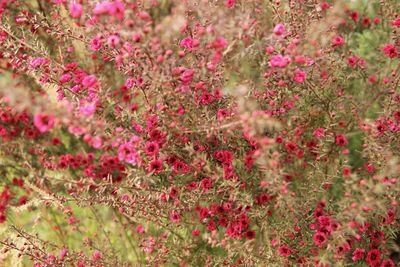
(199,133)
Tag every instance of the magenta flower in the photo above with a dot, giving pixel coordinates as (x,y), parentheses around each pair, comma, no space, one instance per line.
(43,122)
(279,61)
(279,29)
(128,153)
(337,40)
(299,76)
(187,75)
(89,81)
(284,251)
(175,216)
(189,43)
(96,43)
(75,10)
(66,77)
(390,50)
(319,133)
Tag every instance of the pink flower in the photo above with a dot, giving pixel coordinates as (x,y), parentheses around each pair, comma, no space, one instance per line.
(396,23)
(43,122)
(175,216)
(279,29)
(189,43)
(187,76)
(116,9)
(220,42)
(325,5)
(230,3)
(66,77)
(88,109)
(299,76)
(319,133)
(279,61)
(38,61)
(89,81)
(156,166)
(102,8)
(96,43)
(388,263)
(140,229)
(128,153)
(63,252)
(352,61)
(75,10)
(113,40)
(96,142)
(337,40)
(96,255)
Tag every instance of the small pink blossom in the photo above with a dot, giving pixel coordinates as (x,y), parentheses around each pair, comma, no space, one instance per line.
(43,122)
(115,8)
(140,229)
(279,61)
(38,61)
(96,43)
(63,253)
(319,133)
(96,255)
(89,81)
(128,153)
(75,10)
(175,216)
(337,40)
(230,3)
(189,43)
(279,29)
(187,76)
(96,142)
(113,40)
(88,109)
(66,77)
(299,76)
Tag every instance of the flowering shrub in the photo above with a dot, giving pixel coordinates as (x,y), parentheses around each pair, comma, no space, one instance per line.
(199,133)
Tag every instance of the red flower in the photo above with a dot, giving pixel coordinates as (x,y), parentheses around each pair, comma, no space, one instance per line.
(284,251)
(390,50)
(373,257)
(358,254)
(263,198)
(250,234)
(291,147)
(151,148)
(156,166)
(320,239)
(206,184)
(388,263)
(341,140)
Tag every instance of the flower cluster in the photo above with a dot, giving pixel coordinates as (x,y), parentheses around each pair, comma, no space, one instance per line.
(199,133)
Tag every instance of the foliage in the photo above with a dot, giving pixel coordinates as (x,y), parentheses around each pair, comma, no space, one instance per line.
(199,133)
